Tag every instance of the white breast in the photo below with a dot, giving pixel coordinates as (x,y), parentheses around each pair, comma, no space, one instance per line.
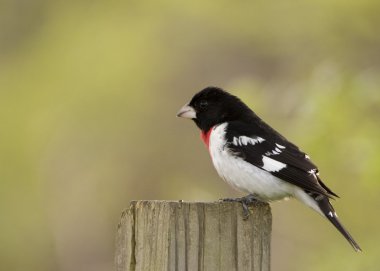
(242,175)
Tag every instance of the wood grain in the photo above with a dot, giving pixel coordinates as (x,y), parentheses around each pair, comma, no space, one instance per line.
(172,235)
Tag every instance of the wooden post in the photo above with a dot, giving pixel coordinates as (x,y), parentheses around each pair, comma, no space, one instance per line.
(172,235)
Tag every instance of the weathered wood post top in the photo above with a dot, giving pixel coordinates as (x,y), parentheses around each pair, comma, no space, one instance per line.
(176,235)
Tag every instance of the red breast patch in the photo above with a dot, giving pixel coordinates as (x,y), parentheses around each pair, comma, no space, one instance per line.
(205,136)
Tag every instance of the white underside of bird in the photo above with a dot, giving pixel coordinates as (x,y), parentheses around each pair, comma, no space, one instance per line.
(250,179)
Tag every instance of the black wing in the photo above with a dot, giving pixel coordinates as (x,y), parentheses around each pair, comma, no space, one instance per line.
(257,144)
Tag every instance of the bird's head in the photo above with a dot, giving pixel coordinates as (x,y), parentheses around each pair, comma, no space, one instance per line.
(212,106)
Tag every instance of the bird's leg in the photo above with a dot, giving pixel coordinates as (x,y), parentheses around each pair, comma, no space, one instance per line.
(245,202)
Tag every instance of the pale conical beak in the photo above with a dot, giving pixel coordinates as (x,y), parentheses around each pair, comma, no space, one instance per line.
(187,112)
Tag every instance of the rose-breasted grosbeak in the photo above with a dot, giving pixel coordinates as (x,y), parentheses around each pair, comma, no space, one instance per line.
(254,158)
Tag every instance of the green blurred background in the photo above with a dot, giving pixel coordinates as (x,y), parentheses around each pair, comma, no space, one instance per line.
(89,92)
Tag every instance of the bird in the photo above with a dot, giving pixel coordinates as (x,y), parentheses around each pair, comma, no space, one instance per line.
(255,159)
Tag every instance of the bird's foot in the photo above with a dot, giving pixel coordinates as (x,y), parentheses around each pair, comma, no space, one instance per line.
(245,202)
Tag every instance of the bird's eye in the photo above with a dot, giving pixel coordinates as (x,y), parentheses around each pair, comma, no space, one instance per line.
(203,104)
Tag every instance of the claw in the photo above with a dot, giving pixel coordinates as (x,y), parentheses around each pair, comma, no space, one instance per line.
(245,202)
(246,212)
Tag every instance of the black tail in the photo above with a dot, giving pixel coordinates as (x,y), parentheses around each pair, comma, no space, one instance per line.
(330,214)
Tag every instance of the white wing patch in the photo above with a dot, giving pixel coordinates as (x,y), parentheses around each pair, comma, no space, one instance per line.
(276,151)
(272,165)
(245,140)
(314,172)
(280,146)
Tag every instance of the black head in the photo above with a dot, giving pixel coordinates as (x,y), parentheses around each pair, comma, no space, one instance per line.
(212,106)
